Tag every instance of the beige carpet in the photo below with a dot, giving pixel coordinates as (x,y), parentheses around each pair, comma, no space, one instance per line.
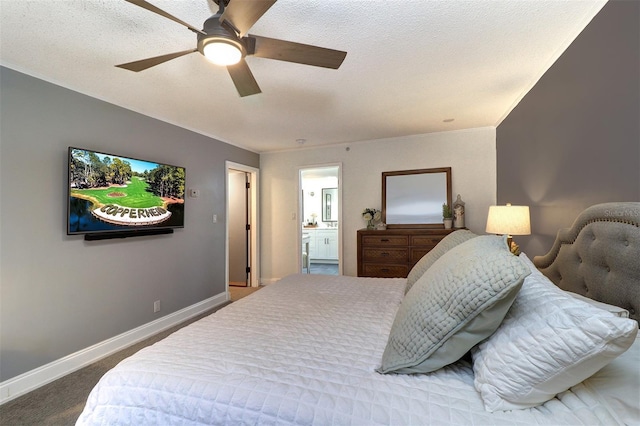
(240,292)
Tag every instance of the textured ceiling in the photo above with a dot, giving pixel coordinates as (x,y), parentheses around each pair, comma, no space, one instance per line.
(411,65)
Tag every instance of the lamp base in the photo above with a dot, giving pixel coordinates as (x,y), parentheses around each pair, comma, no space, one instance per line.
(513,247)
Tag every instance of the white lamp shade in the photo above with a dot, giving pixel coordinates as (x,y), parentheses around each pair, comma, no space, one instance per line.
(222,53)
(511,220)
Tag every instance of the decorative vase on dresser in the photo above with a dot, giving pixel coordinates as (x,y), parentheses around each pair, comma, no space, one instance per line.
(393,252)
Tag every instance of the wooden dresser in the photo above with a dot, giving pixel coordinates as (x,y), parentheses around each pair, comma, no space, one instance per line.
(393,252)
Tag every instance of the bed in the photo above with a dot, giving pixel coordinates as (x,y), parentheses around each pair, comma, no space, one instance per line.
(321,350)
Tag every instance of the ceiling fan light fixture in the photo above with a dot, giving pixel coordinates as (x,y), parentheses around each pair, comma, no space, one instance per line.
(222,51)
(223,40)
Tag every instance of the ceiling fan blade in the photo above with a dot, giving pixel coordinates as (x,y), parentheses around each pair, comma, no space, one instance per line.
(146,5)
(243,79)
(242,14)
(143,64)
(297,52)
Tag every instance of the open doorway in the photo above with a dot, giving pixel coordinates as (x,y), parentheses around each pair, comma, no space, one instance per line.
(320,210)
(242,226)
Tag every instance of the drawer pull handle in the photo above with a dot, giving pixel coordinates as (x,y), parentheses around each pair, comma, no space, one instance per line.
(384,240)
(384,254)
(384,270)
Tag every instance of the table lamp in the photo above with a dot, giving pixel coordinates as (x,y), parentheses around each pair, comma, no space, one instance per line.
(510,220)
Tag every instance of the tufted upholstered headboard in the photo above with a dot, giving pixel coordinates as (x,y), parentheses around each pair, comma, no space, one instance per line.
(599,256)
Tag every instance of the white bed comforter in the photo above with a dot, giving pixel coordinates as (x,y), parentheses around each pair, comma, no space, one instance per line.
(304,351)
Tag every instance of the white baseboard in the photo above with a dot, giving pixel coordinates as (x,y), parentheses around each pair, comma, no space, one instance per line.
(31,380)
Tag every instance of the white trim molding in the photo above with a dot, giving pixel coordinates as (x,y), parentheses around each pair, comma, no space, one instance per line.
(31,380)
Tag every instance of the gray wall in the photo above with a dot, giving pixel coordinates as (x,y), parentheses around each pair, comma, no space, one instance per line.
(574,140)
(60,294)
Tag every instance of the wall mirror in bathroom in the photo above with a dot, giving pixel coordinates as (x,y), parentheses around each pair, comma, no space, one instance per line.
(329,204)
(414,198)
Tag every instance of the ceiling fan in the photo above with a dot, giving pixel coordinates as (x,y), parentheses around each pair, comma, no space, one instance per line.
(223,40)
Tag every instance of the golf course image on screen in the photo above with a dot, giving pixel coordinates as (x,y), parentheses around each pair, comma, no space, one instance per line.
(110,193)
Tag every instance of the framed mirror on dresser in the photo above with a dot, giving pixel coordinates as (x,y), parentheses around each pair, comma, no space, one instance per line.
(414,198)
(412,210)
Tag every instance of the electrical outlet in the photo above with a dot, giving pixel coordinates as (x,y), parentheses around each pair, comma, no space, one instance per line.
(156,306)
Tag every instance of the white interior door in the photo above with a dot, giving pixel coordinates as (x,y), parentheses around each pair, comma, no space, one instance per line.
(242,226)
(239,228)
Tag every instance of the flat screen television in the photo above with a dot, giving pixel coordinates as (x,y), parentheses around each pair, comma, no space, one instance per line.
(112,194)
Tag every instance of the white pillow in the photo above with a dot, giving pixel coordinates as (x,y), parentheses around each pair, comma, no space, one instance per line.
(548,342)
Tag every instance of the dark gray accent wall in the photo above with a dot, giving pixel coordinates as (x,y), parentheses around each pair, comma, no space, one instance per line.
(574,139)
(60,294)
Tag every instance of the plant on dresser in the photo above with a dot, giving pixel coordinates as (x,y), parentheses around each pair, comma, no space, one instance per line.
(393,252)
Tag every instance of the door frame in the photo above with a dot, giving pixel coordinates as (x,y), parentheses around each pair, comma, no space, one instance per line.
(300,212)
(254,258)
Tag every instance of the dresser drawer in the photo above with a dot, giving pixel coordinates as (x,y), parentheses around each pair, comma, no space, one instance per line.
(425,240)
(385,240)
(385,271)
(385,254)
(417,253)
(392,253)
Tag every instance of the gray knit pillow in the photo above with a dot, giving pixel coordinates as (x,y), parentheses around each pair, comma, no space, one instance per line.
(446,244)
(458,302)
